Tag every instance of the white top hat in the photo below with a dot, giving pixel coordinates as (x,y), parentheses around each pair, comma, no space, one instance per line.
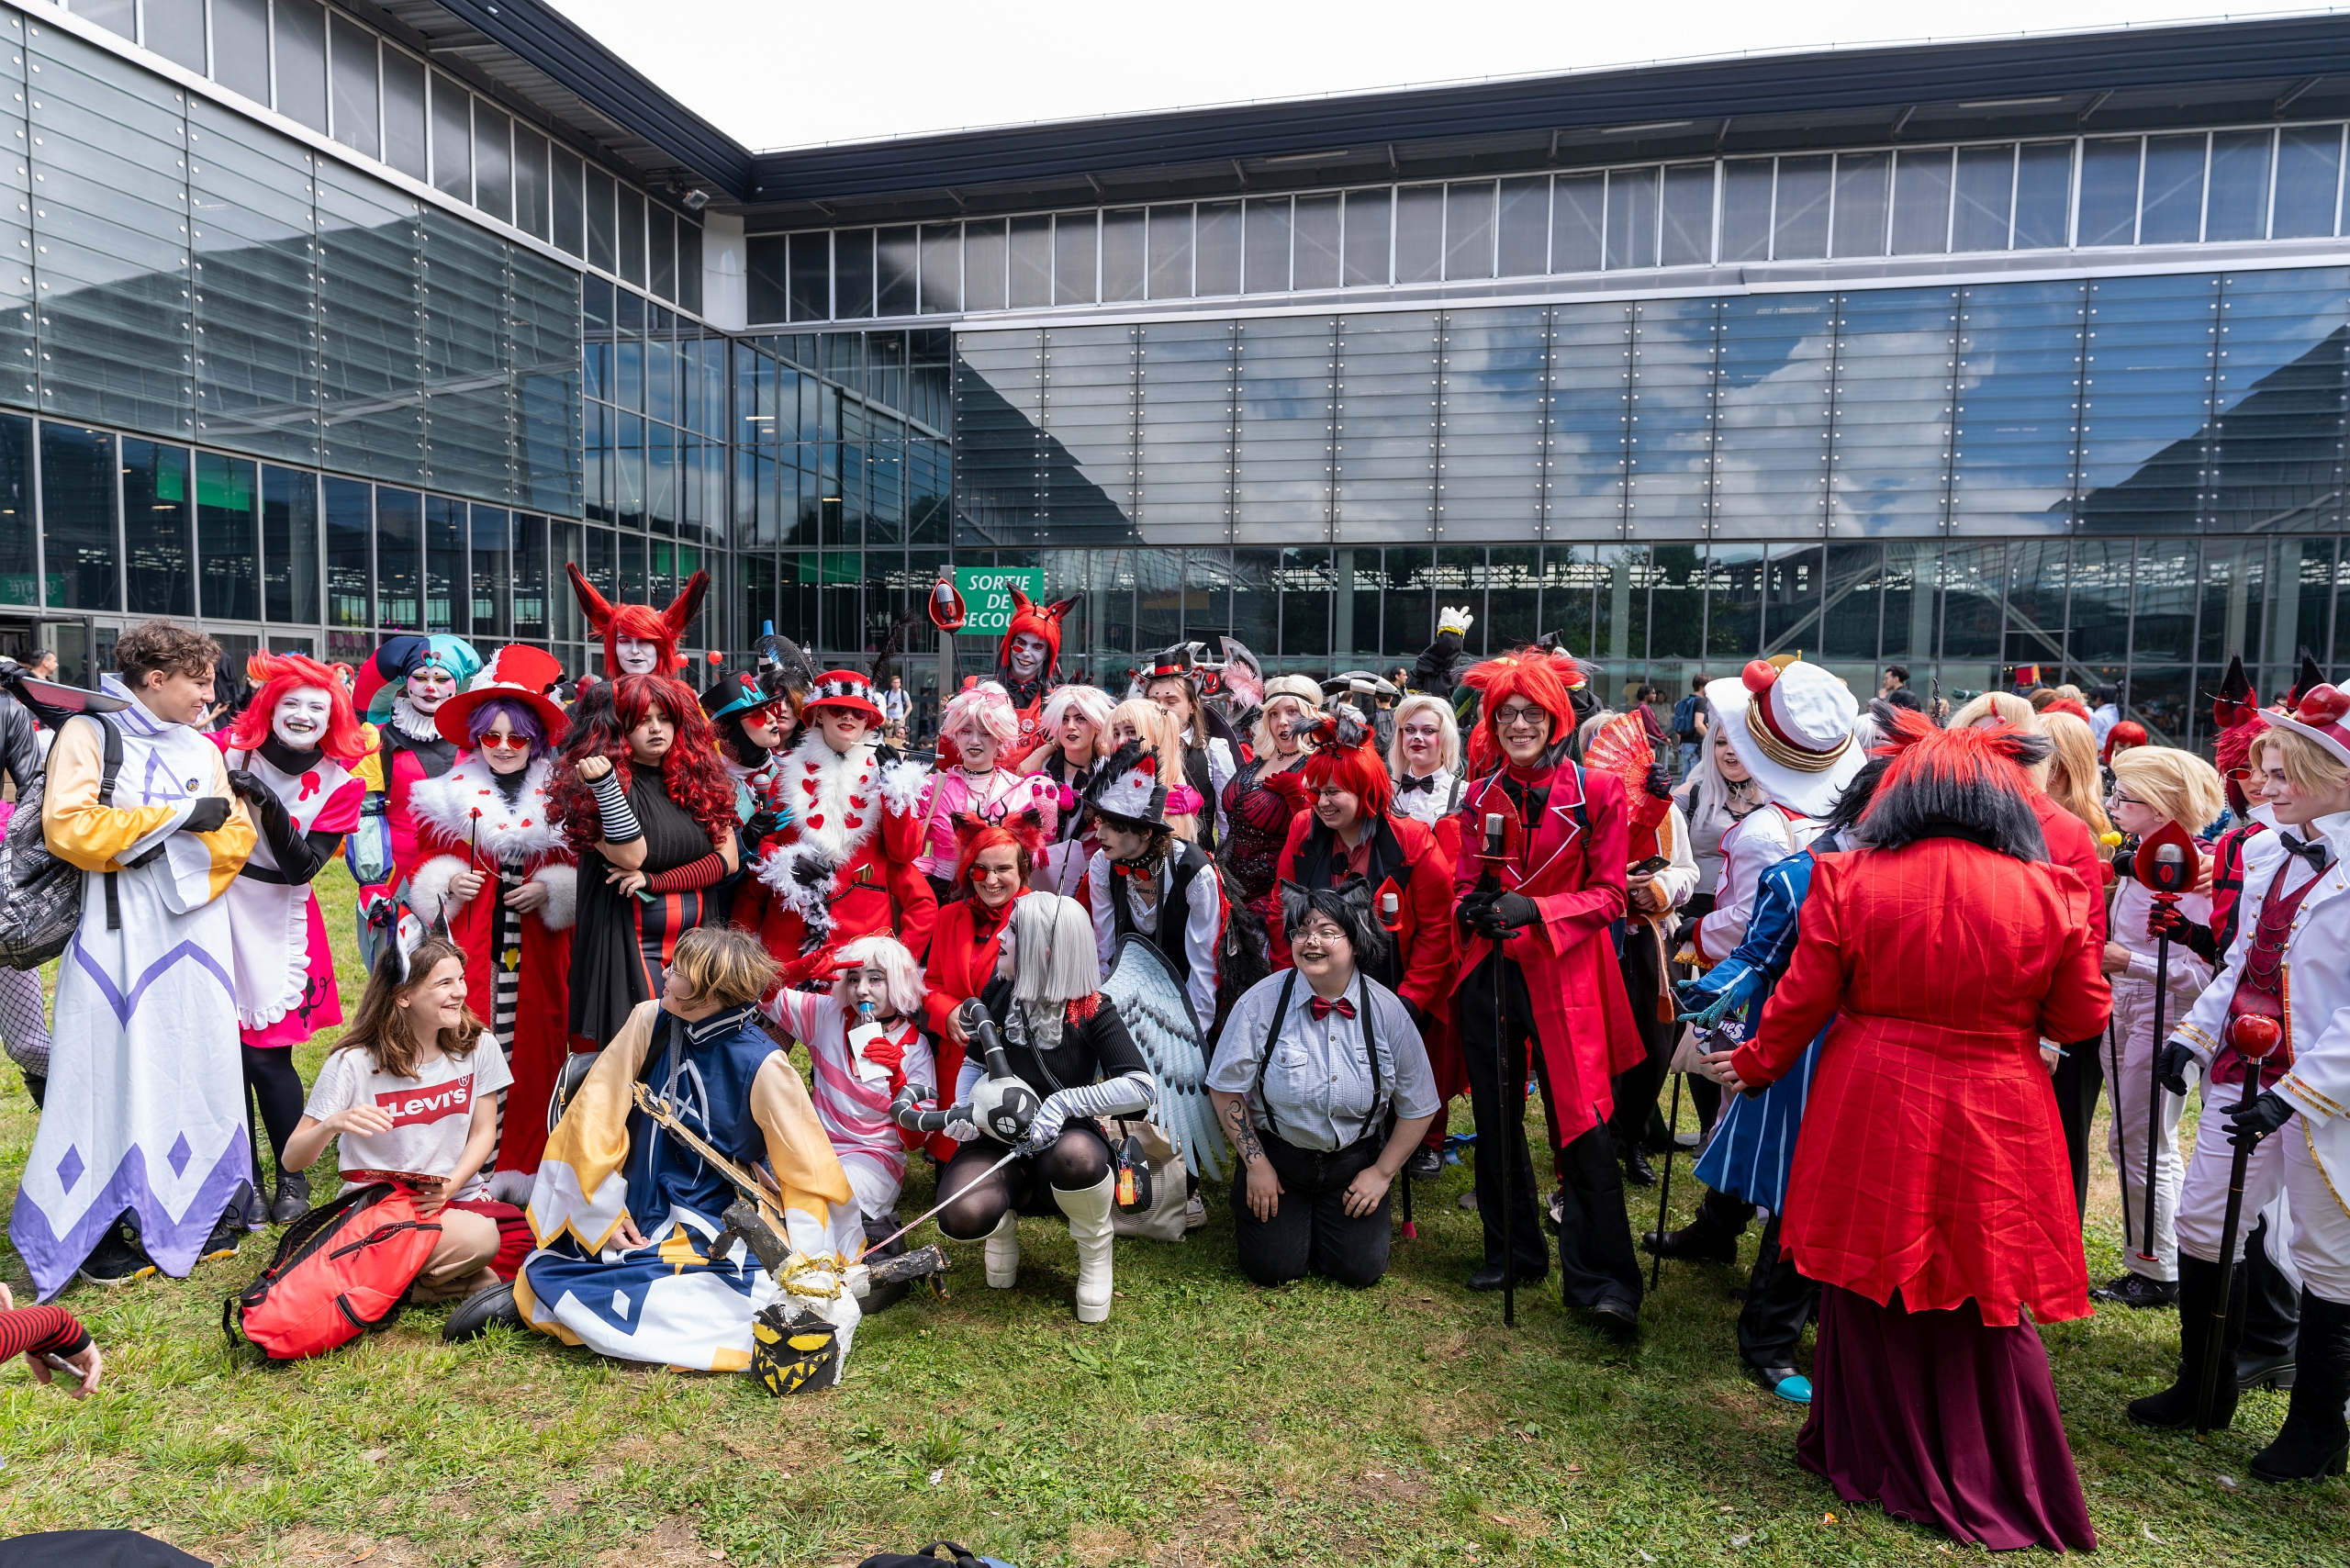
(1793,729)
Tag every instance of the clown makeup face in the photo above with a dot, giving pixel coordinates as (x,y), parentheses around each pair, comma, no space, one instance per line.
(976,745)
(636,657)
(870,984)
(843,728)
(649,742)
(1174,699)
(429,686)
(1423,743)
(299,720)
(1341,810)
(1076,735)
(505,749)
(760,728)
(995,875)
(1027,656)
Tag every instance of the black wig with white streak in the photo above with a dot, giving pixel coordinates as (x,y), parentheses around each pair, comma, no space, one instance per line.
(1970,783)
(1348,905)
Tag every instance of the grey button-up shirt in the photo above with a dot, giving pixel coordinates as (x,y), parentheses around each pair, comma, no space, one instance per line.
(1319,1081)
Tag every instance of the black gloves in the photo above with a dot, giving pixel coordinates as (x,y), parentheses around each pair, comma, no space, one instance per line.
(2247,1125)
(2173,1064)
(247,785)
(212,813)
(1495,914)
(810,871)
(1659,781)
(2166,920)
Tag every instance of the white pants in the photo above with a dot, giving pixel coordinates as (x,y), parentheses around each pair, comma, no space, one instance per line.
(2129,1080)
(2321,1223)
(2204,1199)
(876,1186)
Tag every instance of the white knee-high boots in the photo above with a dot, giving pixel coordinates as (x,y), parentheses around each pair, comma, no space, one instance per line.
(1089,1228)
(1000,1250)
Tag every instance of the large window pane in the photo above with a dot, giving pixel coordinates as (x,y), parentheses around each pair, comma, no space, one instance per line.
(811,276)
(18,583)
(77,510)
(570,204)
(531,578)
(405,146)
(256,368)
(985,257)
(1856,580)
(1987,187)
(1170,252)
(289,542)
(1089,448)
(158,529)
(603,217)
(2109,191)
(1894,353)
(1672,417)
(1419,233)
(1125,260)
(1075,241)
(399,559)
(851,274)
(241,47)
(531,182)
(2147,403)
(1267,245)
(1215,267)
(2277,442)
(453,138)
(350,538)
(494,164)
(446,600)
(2172,201)
(1771,456)
(176,31)
(1490,466)
(1578,223)
(469,404)
(2239,202)
(1688,216)
(1746,210)
(1185,458)
(370,327)
(2098,618)
(2018,407)
(1586,430)
(1469,230)
(632,233)
(1387,442)
(1862,179)
(2043,194)
(1523,230)
(227,525)
(1631,218)
(357,114)
(1031,285)
(1921,202)
(2308,181)
(1799,216)
(1283,461)
(896,256)
(493,570)
(1366,248)
(661,251)
(301,61)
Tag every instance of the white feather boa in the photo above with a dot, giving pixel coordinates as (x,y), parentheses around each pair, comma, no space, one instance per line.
(521,830)
(836,801)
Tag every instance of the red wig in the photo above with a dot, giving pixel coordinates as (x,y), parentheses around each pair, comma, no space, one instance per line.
(1532,674)
(1346,756)
(662,628)
(1025,831)
(275,674)
(2231,751)
(691,774)
(2121,737)
(1042,621)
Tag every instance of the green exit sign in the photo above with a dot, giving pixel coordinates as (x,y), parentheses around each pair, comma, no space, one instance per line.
(987,596)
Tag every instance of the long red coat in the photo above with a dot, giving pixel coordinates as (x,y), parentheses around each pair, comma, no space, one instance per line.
(1571,863)
(1427,942)
(1931,1159)
(963,950)
(857,825)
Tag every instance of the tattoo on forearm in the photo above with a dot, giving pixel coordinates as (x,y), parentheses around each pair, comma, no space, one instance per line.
(1243,1136)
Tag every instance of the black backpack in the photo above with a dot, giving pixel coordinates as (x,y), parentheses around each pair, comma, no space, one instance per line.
(40,895)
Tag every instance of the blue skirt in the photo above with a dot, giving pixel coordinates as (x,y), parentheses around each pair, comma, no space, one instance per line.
(1754,1146)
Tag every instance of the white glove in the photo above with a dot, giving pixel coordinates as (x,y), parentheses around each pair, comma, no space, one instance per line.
(1451,620)
(962,1129)
(1045,1128)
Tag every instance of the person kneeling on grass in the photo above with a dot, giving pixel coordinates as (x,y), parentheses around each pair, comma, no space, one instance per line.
(414,1101)
(1325,1089)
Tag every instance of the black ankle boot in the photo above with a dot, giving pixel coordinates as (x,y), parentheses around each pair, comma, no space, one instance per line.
(2173,1408)
(1711,1237)
(2315,1440)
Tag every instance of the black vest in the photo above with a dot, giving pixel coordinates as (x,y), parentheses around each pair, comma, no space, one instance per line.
(1174,905)
(1197,774)
(1317,867)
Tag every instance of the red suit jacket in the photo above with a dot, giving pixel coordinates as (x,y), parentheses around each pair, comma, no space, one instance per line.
(855,835)
(1570,862)
(963,950)
(2072,845)
(1931,1161)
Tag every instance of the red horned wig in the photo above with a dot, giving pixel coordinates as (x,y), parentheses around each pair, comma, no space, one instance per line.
(1348,757)
(1025,831)
(1969,783)
(691,774)
(1530,674)
(275,674)
(663,628)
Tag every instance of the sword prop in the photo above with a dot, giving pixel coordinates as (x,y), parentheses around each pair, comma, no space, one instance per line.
(762,1192)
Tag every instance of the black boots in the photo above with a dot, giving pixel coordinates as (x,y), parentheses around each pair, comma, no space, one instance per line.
(2315,1440)
(1711,1237)
(2173,1408)
(293,1197)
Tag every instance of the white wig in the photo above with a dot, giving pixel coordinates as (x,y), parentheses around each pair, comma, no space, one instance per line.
(991,705)
(1054,957)
(1088,702)
(901,973)
(1448,736)
(1301,689)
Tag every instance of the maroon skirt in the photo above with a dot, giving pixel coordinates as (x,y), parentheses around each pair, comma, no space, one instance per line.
(1941,1420)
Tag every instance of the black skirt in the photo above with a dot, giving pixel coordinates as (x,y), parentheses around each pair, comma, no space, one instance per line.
(621,944)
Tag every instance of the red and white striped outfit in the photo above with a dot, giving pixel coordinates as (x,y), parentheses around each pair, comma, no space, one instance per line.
(855,1114)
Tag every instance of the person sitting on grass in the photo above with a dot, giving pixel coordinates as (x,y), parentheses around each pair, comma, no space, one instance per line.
(413,1101)
(38,1333)
(1325,1095)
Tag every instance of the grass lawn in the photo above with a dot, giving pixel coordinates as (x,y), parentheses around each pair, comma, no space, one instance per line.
(1207,1422)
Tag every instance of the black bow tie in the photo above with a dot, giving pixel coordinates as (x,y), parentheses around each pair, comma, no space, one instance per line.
(2316,851)
(1408,785)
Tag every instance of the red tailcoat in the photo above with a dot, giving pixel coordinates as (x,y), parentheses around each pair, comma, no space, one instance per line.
(2072,845)
(1575,874)
(855,832)
(963,950)
(1426,943)
(1932,1159)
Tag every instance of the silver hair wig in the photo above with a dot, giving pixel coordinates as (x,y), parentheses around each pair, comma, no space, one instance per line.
(1448,741)
(1053,954)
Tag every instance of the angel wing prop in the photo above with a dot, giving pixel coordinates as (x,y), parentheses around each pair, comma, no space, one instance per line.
(1150,999)
(1244,676)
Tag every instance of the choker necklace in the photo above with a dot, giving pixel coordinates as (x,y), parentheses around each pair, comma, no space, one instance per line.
(286,759)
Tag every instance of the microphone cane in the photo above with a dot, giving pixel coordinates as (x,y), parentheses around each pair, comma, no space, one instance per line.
(1512,1095)
(2168,874)
(1390,917)
(2254,1038)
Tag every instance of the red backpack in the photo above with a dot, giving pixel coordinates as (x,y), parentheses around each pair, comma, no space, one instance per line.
(340,1270)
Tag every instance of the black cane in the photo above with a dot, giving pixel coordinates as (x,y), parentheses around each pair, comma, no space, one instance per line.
(1665,1186)
(2245,1035)
(2154,1070)
(1513,1094)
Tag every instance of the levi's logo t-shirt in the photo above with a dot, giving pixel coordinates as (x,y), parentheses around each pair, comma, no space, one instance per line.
(432,1112)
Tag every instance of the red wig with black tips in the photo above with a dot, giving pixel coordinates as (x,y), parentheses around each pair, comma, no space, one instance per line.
(1971,783)
(662,628)
(691,774)
(1346,756)
(275,674)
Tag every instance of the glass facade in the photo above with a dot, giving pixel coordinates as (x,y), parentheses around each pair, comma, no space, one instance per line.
(311,337)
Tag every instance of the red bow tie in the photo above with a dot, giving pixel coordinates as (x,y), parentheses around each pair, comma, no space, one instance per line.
(1342,1007)
(1125,869)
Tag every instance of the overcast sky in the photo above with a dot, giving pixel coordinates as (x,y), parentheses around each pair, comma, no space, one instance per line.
(774,73)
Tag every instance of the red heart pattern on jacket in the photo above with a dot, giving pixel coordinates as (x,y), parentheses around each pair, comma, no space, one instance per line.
(853,823)
(816,822)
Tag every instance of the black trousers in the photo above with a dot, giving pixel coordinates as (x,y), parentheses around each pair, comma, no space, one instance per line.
(1595,1256)
(2078,1078)
(1779,1302)
(1311,1231)
(1636,1086)
(2272,1310)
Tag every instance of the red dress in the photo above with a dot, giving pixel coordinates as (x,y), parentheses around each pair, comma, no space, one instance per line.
(1571,865)
(963,948)
(1930,1160)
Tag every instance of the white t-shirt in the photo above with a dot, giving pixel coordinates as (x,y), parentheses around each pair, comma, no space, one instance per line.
(432,1112)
